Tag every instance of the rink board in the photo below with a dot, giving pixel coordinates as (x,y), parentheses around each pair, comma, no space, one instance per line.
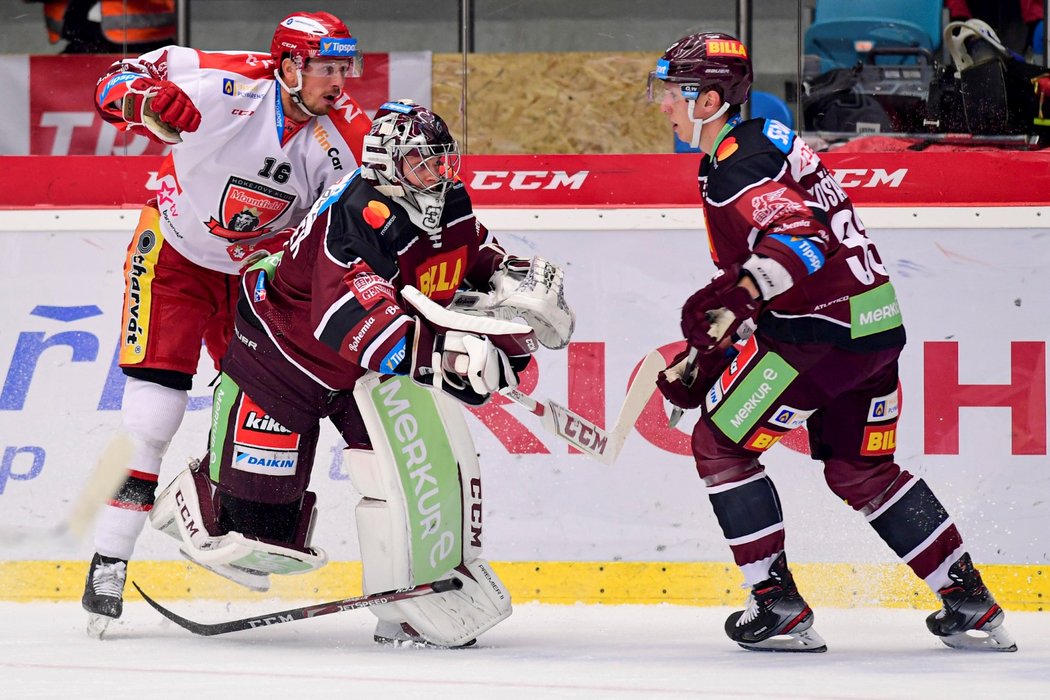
(974,298)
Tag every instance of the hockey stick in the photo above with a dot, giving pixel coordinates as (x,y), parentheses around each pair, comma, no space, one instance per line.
(365,601)
(568,425)
(584,435)
(688,377)
(720,322)
(109,473)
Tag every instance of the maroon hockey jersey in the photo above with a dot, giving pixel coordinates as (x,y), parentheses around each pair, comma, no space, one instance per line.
(766,192)
(333,304)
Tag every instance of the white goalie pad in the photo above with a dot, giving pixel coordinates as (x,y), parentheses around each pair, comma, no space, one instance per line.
(420,515)
(179,513)
(537,295)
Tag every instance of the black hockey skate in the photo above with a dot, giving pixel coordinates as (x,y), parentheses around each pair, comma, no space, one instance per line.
(776,617)
(970,618)
(104,592)
(404,635)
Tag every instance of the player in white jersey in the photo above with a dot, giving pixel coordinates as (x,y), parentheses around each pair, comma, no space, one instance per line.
(255,138)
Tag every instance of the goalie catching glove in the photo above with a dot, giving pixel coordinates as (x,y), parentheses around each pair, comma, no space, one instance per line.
(160,108)
(535,291)
(467,357)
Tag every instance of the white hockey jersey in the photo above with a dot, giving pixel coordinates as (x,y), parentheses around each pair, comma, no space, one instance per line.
(245,173)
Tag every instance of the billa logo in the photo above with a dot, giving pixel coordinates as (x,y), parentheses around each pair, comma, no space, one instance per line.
(724,47)
(879,441)
(439,277)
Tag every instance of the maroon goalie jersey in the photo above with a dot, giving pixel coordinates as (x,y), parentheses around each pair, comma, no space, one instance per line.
(766,192)
(333,304)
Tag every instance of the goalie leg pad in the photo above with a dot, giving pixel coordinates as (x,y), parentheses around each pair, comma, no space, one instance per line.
(190,511)
(420,516)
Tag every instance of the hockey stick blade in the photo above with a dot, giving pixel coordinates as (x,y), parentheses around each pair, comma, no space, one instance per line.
(568,425)
(638,393)
(317,610)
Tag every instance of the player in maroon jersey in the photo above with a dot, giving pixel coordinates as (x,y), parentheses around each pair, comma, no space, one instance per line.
(800,326)
(352,322)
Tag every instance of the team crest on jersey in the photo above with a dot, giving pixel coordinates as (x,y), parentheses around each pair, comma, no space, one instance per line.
(248,208)
(770,205)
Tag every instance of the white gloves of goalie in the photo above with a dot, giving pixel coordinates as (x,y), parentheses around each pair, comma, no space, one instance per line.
(484,366)
(533,290)
(467,356)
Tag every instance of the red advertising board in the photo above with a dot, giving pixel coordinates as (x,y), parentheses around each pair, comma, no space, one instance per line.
(985,178)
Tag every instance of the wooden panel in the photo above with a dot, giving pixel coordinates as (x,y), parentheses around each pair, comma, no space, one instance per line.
(572,102)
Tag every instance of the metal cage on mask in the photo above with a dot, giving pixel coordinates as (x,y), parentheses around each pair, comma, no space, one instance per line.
(412,156)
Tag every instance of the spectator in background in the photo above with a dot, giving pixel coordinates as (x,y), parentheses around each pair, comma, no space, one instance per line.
(110,26)
(1002,18)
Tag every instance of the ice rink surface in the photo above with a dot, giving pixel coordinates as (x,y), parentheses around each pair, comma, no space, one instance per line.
(542,651)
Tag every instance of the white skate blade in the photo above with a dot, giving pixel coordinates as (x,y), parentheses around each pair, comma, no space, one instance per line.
(995,639)
(806,641)
(97,625)
(259,583)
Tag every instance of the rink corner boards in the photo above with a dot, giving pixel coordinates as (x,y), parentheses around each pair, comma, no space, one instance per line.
(1016,586)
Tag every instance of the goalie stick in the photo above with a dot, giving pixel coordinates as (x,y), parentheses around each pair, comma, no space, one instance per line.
(318,609)
(584,435)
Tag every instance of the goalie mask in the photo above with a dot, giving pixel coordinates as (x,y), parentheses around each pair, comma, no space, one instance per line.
(410,156)
(701,62)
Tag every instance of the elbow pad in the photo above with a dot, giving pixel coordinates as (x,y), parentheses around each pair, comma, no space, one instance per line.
(769,276)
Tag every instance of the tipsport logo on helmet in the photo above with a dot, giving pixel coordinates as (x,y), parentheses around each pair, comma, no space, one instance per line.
(725,47)
(338,47)
(401,107)
(662,66)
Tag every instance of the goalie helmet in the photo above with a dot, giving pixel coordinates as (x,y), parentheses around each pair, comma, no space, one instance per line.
(706,61)
(410,155)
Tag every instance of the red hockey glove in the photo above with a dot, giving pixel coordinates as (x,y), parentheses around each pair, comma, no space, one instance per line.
(688,392)
(672,383)
(161,107)
(714,313)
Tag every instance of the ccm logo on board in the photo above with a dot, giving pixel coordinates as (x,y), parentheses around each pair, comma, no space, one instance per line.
(527,179)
